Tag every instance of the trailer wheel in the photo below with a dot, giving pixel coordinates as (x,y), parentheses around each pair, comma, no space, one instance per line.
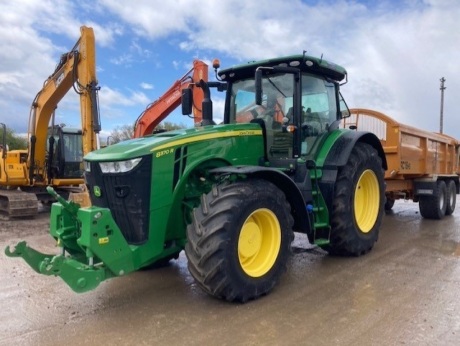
(451,197)
(164,262)
(434,206)
(239,240)
(389,203)
(358,204)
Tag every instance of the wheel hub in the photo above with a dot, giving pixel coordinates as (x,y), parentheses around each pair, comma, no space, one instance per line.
(250,239)
(367,201)
(259,242)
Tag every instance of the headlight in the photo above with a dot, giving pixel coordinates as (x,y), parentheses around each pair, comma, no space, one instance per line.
(87,166)
(119,166)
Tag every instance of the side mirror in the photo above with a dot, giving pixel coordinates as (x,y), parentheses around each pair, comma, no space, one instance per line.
(258,78)
(187,101)
(344,110)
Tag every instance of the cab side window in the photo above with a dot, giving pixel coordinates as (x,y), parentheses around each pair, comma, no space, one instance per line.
(319,110)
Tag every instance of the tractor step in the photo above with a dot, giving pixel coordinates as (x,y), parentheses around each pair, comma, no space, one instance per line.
(322,241)
(318,209)
(319,225)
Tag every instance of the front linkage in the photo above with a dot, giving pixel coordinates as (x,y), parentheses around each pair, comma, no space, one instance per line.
(89,238)
(80,277)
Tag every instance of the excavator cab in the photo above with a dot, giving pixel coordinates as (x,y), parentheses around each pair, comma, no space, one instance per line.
(65,154)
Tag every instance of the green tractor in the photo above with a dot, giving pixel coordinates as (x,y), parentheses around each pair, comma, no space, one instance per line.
(230,194)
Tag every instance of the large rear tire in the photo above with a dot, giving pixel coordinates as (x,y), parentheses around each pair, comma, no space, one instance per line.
(434,206)
(239,240)
(451,197)
(358,204)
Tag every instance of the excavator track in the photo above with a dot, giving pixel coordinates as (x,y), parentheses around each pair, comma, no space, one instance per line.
(18,204)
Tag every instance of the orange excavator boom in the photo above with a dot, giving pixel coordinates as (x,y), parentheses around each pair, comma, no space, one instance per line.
(158,110)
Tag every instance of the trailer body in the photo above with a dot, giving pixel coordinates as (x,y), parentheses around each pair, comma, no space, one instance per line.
(419,162)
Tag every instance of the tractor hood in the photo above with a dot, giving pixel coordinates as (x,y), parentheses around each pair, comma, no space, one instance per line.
(147,145)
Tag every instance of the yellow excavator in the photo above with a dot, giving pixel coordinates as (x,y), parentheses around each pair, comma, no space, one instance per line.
(54,156)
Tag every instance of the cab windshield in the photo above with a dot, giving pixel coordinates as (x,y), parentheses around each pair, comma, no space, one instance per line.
(318,109)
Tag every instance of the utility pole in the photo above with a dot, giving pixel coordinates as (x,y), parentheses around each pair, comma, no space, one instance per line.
(441,119)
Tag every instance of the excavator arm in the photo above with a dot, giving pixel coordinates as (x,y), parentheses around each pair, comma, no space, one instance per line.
(76,69)
(158,110)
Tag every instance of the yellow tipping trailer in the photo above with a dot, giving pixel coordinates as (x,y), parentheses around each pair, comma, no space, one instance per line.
(422,166)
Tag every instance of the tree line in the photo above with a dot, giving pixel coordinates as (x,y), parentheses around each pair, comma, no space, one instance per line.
(118,134)
(13,140)
(124,132)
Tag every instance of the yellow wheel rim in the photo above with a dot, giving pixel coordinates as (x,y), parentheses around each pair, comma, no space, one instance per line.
(367,201)
(259,242)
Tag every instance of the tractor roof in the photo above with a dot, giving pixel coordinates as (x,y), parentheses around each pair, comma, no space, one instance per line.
(305,63)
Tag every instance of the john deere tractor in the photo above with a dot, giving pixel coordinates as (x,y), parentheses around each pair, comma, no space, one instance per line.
(232,192)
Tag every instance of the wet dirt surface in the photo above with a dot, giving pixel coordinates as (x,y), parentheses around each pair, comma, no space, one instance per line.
(405,291)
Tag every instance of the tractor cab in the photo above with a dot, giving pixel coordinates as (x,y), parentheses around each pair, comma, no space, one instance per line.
(295,107)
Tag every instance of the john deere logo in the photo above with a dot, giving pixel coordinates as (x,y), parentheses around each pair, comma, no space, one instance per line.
(97,191)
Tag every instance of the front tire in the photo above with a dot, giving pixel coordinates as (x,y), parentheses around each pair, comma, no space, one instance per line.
(239,240)
(358,204)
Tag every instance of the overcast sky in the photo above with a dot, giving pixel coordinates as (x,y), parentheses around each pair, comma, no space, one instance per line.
(395,52)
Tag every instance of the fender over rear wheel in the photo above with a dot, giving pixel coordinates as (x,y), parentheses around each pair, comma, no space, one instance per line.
(239,240)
